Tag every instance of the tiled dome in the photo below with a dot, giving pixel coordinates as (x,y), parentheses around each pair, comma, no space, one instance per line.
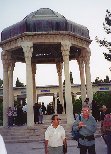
(44,20)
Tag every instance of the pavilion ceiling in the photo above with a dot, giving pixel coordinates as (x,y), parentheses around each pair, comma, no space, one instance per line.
(45,53)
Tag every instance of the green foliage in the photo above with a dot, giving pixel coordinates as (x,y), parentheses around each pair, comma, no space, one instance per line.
(102,98)
(19,84)
(77,105)
(107,79)
(104,42)
(98,80)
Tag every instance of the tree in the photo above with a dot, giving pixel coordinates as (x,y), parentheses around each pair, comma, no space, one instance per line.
(103,98)
(107,79)
(98,80)
(104,42)
(1,83)
(77,105)
(19,84)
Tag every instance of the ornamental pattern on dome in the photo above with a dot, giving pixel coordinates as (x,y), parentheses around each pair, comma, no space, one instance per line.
(44,20)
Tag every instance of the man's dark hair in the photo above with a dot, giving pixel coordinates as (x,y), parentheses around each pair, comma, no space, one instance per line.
(53,117)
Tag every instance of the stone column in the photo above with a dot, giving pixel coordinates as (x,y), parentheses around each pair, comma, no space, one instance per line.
(27,49)
(59,71)
(68,98)
(4,56)
(11,94)
(34,82)
(82,78)
(55,98)
(37,98)
(88,76)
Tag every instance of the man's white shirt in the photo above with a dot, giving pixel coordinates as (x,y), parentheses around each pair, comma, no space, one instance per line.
(55,136)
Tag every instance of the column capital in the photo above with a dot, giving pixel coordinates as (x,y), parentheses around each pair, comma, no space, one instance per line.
(28,50)
(5,59)
(65,48)
(85,52)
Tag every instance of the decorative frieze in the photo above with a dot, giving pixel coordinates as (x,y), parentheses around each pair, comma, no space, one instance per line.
(45,37)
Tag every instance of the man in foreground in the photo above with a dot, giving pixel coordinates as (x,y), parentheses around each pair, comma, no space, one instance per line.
(55,137)
(87,127)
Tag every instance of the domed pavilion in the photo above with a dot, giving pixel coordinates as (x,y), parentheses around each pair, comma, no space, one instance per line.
(45,37)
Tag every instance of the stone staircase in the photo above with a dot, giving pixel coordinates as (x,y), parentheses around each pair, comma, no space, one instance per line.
(24,134)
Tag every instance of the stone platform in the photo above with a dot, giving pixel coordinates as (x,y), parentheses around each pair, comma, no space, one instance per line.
(24,134)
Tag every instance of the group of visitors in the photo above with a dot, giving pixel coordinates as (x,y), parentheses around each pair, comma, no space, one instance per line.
(50,109)
(17,115)
(85,124)
(39,111)
(98,111)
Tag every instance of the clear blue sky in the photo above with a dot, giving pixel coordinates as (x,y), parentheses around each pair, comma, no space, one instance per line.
(85,12)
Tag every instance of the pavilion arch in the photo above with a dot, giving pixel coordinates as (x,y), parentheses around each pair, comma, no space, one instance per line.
(45,37)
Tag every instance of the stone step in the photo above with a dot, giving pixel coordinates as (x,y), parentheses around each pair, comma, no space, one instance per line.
(31,134)
(33,137)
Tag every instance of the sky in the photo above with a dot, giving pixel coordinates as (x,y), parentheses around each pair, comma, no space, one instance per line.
(85,12)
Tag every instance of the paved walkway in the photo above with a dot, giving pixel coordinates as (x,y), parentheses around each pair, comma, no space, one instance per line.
(38,147)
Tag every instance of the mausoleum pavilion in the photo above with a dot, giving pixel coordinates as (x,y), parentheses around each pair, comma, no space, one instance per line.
(45,37)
